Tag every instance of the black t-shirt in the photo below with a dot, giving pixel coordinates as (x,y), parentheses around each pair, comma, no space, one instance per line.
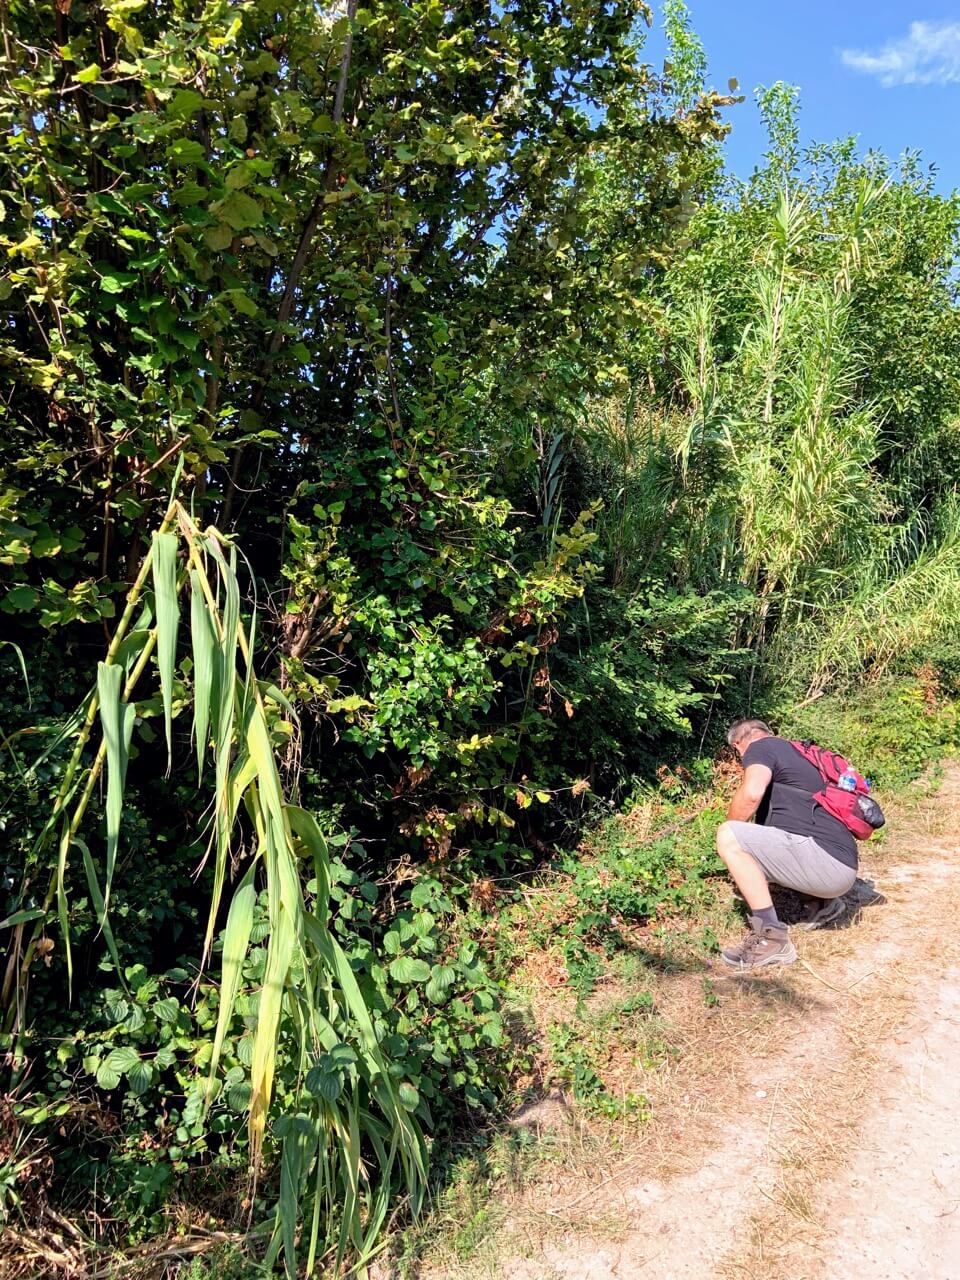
(788,802)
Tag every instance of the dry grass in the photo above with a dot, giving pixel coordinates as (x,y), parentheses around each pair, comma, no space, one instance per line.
(49,1255)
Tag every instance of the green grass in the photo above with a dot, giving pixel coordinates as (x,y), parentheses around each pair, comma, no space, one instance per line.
(892,730)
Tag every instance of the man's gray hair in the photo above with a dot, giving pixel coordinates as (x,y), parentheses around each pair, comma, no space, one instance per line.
(745,728)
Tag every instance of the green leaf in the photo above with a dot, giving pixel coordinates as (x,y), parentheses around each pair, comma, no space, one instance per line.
(168,1009)
(117,1006)
(20,599)
(107,1078)
(229,787)
(241,302)
(140,1076)
(184,104)
(323,1083)
(442,978)
(98,903)
(89,75)
(118,1062)
(409,969)
(50,545)
(21,917)
(117,281)
(236,940)
(423,892)
(188,194)
(239,210)
(123,1058)
(238,1097)
(165,1057)
(239,175)
(185,152)
(409,1096)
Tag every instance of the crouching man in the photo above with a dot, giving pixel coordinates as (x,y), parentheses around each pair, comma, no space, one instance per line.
(794,842)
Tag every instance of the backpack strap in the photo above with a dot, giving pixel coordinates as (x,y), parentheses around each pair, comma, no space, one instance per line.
(827,763)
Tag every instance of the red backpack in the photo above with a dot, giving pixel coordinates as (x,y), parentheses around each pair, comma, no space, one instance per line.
(856,809)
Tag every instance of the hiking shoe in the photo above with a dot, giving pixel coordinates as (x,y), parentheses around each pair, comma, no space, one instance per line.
(768,947)
(829,909)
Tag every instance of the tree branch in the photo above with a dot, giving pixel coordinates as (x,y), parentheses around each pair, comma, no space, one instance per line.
(299,257)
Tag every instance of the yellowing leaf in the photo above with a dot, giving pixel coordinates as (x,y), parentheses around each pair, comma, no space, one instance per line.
(218,237)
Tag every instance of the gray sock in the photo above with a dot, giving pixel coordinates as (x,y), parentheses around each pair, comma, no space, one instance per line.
(766,918)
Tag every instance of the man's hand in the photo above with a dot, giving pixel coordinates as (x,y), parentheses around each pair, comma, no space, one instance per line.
(756,779)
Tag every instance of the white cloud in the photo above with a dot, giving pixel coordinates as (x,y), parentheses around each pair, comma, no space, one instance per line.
(928,54)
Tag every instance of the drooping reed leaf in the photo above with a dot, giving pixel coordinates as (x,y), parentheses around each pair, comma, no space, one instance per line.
(62,910)
(99,904)
(285,913)
(227,683)
(117,719)
(23,916)
(236,940)
(165,547)
(299,1145)
(306,828)
(205,662)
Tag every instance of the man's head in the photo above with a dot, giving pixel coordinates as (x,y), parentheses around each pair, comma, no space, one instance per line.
(742,732)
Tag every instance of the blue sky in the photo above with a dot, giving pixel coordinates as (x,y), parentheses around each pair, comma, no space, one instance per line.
(887,72)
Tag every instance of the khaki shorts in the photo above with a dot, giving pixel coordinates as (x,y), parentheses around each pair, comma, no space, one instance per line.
(794,862)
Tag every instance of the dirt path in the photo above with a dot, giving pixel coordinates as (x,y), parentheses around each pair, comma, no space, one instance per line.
(812,1128)
(905,1179)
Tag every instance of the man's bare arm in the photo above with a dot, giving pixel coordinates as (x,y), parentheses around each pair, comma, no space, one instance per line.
(756,779)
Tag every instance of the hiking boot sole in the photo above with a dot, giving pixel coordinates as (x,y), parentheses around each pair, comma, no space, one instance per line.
(787,956)
(832,911)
